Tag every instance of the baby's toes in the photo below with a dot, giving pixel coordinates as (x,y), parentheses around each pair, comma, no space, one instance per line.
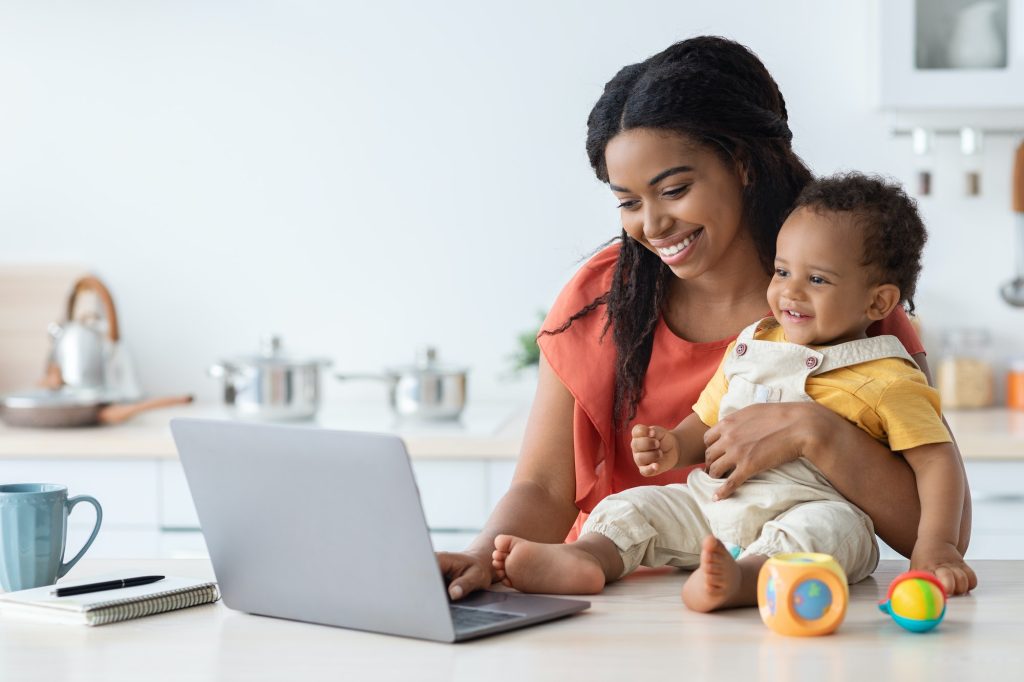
(946,577)
(962,582)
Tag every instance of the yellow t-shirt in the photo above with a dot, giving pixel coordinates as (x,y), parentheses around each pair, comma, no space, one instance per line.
(888,398)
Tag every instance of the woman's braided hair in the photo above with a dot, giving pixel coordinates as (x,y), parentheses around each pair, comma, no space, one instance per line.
(717,93)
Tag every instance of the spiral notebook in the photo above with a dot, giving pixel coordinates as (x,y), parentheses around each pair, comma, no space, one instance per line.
(109,606)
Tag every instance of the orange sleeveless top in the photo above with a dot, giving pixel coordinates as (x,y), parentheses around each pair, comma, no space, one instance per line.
(677,373)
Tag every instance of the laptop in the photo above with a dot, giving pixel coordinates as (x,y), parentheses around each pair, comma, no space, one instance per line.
(326,527)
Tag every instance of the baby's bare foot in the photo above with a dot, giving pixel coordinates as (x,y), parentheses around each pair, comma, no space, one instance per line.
(539,567)
(716,584)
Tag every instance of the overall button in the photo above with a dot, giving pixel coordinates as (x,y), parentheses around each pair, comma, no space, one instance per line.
(812,363)
(741,348)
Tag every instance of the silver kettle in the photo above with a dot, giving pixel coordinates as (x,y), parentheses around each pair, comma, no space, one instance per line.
(84,349)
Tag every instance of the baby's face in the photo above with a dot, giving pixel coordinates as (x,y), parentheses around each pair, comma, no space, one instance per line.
(820,292)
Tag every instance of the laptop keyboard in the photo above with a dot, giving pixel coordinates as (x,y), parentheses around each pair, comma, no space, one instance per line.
(469,618)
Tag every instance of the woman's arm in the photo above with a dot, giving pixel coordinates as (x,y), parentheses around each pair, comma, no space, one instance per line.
(864,471)
(541,502)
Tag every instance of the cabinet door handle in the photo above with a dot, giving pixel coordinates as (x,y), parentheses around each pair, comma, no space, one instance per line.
(998,498)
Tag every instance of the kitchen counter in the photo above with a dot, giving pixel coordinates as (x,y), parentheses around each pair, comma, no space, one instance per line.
(486,431)
(636,629)
(988,434)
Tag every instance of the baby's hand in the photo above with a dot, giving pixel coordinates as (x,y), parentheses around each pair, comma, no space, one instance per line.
(655,450)
(945,561)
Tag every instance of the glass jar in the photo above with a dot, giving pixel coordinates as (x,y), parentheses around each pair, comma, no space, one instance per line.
(964,374)
(1015,384)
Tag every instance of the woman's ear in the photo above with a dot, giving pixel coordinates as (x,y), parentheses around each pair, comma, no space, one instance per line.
(743,170)
(884,297)
(741,163)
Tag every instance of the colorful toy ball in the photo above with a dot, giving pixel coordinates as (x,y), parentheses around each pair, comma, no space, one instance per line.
(916,601)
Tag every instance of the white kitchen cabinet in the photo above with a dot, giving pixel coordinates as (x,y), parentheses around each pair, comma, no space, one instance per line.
(148,510)
(126,489)
(176,508)
(499,479)
(934,55)
(997,491)
(453,493)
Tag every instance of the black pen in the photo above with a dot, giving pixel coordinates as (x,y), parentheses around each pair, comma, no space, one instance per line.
(108,585)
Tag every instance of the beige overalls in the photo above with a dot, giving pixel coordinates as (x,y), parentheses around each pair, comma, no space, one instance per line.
(791,508)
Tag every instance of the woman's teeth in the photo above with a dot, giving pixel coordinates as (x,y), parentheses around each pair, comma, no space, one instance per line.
(676,248)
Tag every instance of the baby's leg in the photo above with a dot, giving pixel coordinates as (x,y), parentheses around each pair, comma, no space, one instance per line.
(582,567)
(827,526)
(722,582)
(648,525)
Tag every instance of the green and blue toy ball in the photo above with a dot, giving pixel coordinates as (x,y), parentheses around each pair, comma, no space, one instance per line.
(916,601)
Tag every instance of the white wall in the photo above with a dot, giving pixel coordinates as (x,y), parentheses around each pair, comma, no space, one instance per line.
(368,177)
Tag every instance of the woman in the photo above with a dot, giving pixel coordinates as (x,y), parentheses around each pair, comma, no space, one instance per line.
(694,142)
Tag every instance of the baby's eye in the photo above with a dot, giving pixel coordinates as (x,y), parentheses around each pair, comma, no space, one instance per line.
(779,272)
(818,280)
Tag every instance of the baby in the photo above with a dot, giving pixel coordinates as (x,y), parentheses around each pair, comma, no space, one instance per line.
(847,255)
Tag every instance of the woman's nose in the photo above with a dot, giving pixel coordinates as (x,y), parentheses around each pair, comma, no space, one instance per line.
(657,223)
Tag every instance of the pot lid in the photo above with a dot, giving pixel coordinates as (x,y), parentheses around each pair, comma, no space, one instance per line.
(64,397)
(272,354)
(427,364)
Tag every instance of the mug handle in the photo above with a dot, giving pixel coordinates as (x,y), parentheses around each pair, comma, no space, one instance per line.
(69,505)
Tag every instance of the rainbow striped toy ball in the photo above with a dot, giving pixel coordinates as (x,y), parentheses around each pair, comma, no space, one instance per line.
(916,601)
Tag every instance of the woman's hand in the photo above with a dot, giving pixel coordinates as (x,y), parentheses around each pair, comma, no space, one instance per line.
(761,437)
(465,572)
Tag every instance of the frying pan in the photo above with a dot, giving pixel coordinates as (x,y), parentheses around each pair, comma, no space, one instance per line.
(69,408)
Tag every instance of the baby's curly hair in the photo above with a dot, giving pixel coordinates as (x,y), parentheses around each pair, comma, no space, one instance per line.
(894,235)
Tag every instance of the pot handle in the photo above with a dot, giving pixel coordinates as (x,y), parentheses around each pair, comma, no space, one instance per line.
(93,284)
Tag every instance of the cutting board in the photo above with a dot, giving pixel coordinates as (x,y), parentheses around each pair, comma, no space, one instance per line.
(31,297)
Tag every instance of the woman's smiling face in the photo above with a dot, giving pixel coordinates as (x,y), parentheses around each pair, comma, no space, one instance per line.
(677,198)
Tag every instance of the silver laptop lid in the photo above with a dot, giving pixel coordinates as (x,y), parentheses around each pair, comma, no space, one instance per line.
(285,541)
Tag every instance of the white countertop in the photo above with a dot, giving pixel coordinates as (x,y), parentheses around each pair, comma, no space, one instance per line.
(485,431)
(636,629)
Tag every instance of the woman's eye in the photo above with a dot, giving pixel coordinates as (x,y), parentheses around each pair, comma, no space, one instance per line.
(675,191)
(628,204)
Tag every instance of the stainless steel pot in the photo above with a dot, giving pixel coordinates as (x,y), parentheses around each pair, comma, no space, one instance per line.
(271,386)
(425,390)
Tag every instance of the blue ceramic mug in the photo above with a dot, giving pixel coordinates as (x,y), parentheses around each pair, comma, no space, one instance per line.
(33,533)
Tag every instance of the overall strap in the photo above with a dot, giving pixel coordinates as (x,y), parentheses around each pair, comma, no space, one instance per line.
(751,330)
(862,350)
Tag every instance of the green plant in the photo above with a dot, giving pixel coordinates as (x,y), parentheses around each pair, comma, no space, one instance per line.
(527,352)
